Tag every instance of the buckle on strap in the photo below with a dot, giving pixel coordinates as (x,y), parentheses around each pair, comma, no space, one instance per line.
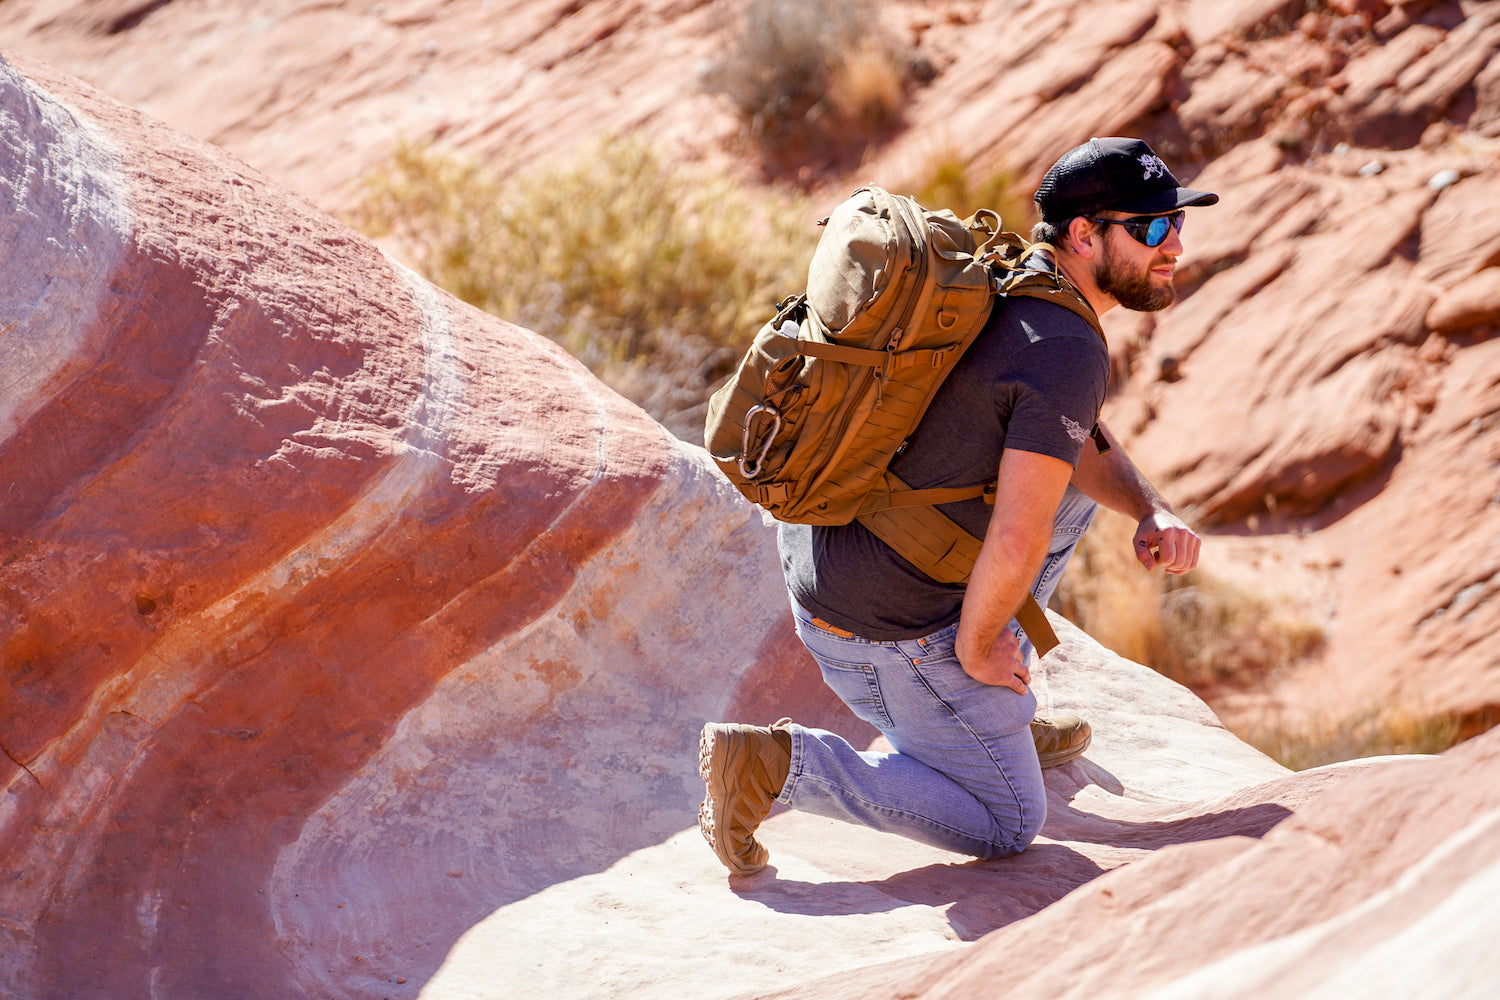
(1101,443)
(770,494)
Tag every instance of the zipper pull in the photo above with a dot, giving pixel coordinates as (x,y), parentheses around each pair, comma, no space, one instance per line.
(891,346)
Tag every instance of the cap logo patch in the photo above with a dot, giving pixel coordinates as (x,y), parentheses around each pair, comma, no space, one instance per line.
(1152,166)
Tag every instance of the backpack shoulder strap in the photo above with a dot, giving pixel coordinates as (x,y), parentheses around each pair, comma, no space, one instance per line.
(1009,253)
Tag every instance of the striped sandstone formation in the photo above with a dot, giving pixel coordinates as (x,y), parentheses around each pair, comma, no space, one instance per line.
(1333,354)
(269,501)
(354,643)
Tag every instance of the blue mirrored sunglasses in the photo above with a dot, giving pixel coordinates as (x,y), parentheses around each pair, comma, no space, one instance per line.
(1150,230)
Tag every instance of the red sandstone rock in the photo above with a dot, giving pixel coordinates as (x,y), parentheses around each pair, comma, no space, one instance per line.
(1382,886)
(315,95)
(265,535)
(266,493)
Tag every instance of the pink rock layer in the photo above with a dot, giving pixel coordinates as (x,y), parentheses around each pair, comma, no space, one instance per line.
(264,490)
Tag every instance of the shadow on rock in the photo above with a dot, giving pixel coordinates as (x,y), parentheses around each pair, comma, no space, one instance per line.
(979,896)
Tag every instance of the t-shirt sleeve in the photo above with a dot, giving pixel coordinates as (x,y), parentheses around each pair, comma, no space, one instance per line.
(1057,388)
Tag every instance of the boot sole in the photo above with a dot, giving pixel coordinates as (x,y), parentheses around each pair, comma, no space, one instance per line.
(712,816)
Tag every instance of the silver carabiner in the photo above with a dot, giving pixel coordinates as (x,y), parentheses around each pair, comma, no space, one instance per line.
(747,469)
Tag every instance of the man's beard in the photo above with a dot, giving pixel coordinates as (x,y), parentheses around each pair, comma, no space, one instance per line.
(1133,291)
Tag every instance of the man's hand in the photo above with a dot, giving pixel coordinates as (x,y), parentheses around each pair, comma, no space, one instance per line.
(1163,540)
(1002,666)
(1028,489)
(1113,480)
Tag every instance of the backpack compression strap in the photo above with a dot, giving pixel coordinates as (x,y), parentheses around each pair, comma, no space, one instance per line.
(935,544)
(905,519)
(886,361)
(1049,286)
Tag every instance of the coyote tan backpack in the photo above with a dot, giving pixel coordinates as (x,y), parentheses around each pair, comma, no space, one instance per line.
(834,384)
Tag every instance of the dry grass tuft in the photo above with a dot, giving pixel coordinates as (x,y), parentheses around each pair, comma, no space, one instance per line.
(1196,629)
(652,276)
(1312,742)
(1207,635)
(812,79)
(1214,633)
(867,87)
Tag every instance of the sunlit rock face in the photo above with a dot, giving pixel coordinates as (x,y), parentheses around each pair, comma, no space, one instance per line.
(1382,883)
(282,524)
(1333,354)
(355,644)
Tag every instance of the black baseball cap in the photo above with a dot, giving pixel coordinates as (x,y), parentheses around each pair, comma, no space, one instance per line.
(1118,174)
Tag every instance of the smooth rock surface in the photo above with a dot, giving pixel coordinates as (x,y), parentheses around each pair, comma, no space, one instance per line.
(1337,325)
(283,516)
(1379,886)
(354,643)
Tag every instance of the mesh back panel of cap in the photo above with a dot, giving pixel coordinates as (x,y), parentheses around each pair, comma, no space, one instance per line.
(1075,188)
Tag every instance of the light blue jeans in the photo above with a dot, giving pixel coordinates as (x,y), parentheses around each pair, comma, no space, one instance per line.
(965,775)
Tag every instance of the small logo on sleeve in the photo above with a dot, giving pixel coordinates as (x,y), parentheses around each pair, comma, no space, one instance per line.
(1075,430)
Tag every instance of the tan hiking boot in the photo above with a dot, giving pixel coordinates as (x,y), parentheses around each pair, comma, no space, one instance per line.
(744,768)
(1059,738)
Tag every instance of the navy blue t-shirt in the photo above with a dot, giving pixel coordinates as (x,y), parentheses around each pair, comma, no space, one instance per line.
(1034,380)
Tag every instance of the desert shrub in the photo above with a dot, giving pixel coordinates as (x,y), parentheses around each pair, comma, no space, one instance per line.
(1107,594)
(867,87)
(1301,743)
(801,68)
(1213,632)
(1207,634)
(1196,629)
(653,276)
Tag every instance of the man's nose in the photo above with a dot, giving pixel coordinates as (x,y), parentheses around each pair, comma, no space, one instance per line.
(1172,245)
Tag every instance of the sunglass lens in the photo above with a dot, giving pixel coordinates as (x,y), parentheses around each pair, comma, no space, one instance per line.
(1160,226)
(1156,232)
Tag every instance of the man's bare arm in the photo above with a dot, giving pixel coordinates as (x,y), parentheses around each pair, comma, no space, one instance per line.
(1029,489)
(1111,479)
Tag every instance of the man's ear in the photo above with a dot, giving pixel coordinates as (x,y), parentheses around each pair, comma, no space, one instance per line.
(1083,237)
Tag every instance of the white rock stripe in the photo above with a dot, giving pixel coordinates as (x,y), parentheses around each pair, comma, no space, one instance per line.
(65,223)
